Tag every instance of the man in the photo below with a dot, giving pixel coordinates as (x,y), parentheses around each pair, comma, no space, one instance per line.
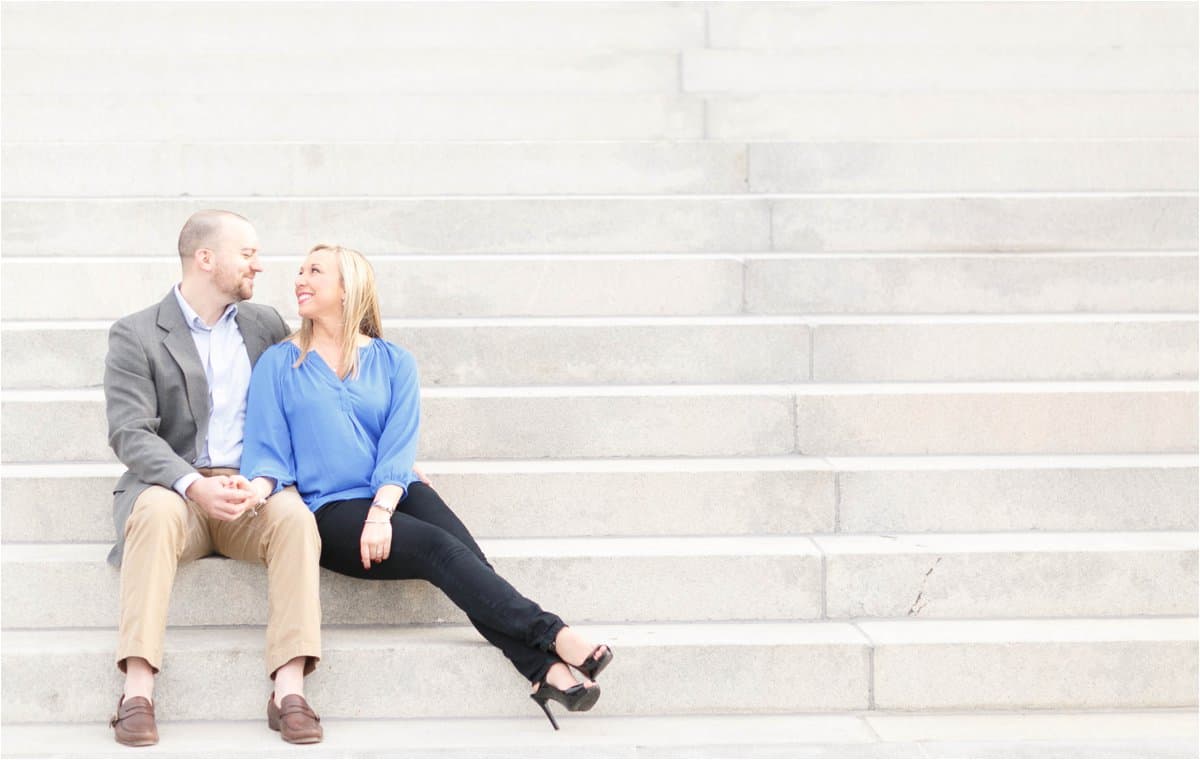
(175,384)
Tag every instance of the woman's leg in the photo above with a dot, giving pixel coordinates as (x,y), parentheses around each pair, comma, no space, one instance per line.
(420,549)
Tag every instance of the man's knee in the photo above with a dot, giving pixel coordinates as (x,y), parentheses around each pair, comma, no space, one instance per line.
(157,512)
(290,518)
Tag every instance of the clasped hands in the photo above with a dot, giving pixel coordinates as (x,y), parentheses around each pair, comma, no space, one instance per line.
(226,497)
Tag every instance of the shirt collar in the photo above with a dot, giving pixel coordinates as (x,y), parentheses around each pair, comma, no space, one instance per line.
(193,319)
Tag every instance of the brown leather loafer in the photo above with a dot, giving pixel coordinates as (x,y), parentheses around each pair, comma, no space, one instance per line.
(133,722)
(294,720)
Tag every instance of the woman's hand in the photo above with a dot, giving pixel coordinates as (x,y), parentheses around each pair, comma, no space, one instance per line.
(376,542)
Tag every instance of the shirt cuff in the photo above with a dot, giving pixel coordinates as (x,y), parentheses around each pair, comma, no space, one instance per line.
(181,486)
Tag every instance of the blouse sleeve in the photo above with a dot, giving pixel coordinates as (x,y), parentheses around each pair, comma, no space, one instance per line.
(267,443)
(397,450)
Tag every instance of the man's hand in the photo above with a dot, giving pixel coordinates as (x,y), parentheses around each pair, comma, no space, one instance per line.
(219,497)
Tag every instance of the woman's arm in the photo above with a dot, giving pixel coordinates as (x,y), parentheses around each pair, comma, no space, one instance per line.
(267,458)
(397,449)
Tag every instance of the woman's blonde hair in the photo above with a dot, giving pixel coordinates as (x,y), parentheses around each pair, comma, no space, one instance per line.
(360,309)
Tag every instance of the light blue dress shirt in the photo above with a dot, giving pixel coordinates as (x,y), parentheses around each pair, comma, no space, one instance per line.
(227,369)
(334,439)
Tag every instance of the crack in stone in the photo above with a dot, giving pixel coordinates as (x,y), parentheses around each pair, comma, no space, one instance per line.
(917,606)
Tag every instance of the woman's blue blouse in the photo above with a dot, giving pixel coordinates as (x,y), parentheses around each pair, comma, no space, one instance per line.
(333,439)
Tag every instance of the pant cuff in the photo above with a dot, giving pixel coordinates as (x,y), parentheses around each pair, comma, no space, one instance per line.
(279,658)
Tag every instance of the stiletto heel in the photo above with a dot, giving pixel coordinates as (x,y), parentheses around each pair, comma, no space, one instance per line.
(578,698)
(546,709)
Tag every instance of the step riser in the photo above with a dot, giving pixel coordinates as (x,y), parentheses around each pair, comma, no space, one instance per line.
(351,118)
(834,425)
(567,355)
(906,70)
(999,284)
(578,589)
(483,355)
(394,72)
(917,116)
(959,166)
(1036,584)
(956,586)
(54,290)
(331,169)
(1017,500)
(412,288)
(601,26)
(205,685)
(783,26)
(733,502)
(399,72)
(697,425)
(220,684)
(1103,674)
(818,116)
(421,26)
(617,225)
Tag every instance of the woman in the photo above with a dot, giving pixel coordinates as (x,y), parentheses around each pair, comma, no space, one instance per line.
(334,409)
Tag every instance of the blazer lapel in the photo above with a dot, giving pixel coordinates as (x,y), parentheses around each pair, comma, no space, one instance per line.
(182,348)
(253,335)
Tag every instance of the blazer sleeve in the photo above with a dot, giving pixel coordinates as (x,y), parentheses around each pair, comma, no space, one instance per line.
(267,443)
(397,451)
(131,406)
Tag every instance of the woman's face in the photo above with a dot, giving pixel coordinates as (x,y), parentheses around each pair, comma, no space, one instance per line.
(319,292)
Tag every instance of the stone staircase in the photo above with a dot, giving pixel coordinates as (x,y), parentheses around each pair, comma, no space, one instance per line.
(822,358)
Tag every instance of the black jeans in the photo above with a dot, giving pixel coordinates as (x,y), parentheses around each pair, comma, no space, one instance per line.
(430,543)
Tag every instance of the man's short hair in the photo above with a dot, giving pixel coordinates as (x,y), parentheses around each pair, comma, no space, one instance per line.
(203,230)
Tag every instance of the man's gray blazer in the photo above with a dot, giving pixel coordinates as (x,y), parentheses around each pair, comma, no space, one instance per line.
(157,400)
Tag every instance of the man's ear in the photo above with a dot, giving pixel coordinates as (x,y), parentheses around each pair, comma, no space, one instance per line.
(203,259)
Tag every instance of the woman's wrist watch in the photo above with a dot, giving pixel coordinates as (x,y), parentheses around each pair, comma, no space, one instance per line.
(390,510)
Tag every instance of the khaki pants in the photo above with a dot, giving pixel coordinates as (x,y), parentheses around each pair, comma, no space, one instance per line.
(164,531)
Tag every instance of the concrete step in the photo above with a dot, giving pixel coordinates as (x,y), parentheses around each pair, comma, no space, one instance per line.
(656,224)
(917,115)
(588,71)
(1000,67)
(413,286)
(564,351)
(167,169)
(722,497)
(684,579)
(875,733)
(801,26)
(263,116)
(951,166)
(1157,417)
(550,351)
(421,26)
(209,673)
(407,168)
(970,283)
(681,579)
(105,288)
(571,168)
(1009,575)
(397,71)
(716,668)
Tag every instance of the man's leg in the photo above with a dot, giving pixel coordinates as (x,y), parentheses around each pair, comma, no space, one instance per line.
(162,532)
(283,536)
